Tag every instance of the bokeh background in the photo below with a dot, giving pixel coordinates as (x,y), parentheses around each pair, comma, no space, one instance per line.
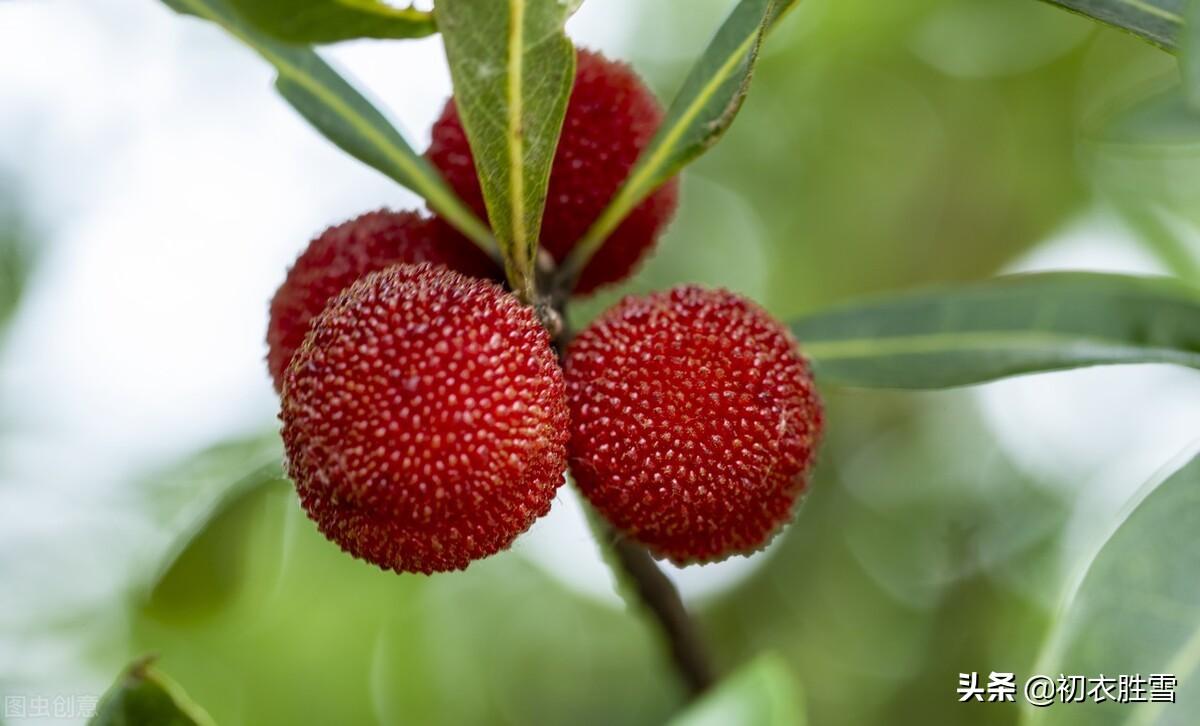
(153,190)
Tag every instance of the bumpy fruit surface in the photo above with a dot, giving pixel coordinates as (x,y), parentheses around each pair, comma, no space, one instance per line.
(694,420)
(344,253)
(425,419)
(610,118)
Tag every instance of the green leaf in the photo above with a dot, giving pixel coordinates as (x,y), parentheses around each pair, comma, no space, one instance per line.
(1136,610)
(513,67)
(702,111)
(143,696)
(343,115)
(1158,21)
(209,560)
(763,693)
(971,333)
(330,21)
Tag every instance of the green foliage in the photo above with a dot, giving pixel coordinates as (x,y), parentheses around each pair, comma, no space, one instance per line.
(229,547)
(701,112)
(1137,610)
(1158,21)
(513,67)
(1007,326)
(330,21)
(143,696)
(500,642)
(762,693)
(343,115)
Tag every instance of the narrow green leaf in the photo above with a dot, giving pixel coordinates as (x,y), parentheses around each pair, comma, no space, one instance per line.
(763,693)
(330,21)
(143,696)
(343,115)
(513,67)
(971,333)
(1158,21)
(1136,611)
(702,111)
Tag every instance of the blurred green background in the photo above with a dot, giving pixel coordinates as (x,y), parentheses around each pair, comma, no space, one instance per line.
(884,145)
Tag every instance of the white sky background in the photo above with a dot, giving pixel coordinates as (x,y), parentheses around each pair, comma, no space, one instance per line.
(172,188)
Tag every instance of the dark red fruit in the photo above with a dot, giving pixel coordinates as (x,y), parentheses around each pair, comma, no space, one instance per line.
(342,254)
(425,419)
(610,118)
(693,421)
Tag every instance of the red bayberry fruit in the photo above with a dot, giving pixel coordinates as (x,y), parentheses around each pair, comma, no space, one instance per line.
(342,254)
(425,419)
(693,421)
(610,118)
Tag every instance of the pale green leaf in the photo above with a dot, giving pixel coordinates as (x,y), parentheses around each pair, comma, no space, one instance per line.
(763,693)
(330,21)
(1158,21)
(971,333)
(513,67)
(208,560)
(701,112)
(1136,611)
(143,696)
(343,115)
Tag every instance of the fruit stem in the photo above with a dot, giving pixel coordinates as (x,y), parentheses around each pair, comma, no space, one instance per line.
(659,596)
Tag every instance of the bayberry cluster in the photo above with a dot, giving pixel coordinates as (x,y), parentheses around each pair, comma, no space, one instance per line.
(428,419)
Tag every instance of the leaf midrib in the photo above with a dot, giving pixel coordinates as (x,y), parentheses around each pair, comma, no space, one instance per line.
(932,343)
(659,158)
(633,187)
(1153,10)
(516,140)
(313,86)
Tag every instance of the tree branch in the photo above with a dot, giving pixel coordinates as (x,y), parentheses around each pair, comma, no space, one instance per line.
(659,596)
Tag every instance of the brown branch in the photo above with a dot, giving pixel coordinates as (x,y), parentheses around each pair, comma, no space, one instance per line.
(659,596)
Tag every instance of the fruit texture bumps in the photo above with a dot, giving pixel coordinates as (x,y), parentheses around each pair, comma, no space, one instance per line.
(610,118)
(694,420)
(342,254)
(425,419)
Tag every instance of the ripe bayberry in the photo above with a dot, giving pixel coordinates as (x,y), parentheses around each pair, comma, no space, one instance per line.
(610,118)
(694,420)
(342,254)
(425,419)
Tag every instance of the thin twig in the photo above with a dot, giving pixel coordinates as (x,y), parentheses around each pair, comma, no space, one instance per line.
(659,596)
